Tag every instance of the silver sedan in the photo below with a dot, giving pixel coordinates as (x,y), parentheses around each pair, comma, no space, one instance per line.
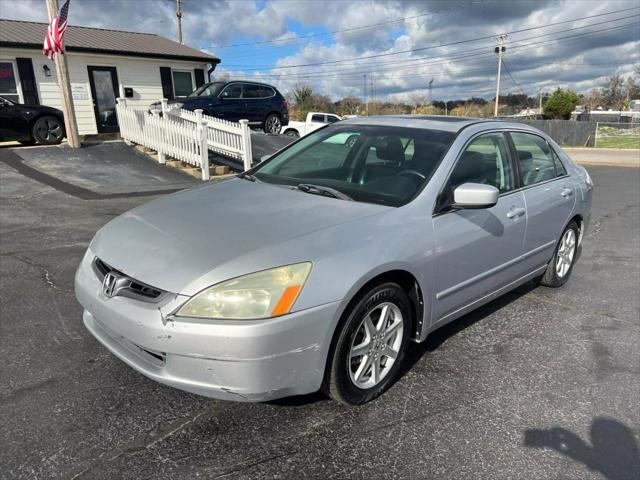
(315,269)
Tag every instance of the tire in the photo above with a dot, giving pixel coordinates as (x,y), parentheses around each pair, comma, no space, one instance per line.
(48,130)
(564,258)
(292,133)
(272,124)
(351,140)
(350,378)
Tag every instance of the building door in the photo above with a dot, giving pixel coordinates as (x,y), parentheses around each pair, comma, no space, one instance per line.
(104,90)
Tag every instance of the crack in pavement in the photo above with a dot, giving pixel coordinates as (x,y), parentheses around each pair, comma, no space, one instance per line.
(596,228)
(45,275)
(144,442)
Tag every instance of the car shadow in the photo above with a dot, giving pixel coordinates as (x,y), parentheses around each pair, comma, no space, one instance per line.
(613,450)
(436,338)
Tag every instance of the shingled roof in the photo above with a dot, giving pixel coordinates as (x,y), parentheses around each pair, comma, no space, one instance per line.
(20,34)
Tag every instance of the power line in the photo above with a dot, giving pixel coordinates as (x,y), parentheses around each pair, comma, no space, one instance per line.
(441,60)
(485,37)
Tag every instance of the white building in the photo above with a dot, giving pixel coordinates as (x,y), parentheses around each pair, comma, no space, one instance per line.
(103,64)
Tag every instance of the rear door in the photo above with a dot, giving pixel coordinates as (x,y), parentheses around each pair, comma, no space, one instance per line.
(256,101)
(548,192)
(477,251)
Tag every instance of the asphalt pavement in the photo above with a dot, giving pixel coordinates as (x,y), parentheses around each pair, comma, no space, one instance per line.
(542,383)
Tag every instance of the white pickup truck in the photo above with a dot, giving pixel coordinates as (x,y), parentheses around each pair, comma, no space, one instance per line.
(314,121)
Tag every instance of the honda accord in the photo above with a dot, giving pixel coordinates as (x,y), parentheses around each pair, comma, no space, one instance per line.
(317,267)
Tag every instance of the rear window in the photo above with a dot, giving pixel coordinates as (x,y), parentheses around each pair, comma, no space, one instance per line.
(257,91)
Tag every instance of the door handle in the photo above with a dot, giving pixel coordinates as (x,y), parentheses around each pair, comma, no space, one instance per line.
(566,192)
(516,212)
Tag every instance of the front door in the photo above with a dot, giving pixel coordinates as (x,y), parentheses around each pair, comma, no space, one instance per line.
(104,90)
(477,251)
(230,104)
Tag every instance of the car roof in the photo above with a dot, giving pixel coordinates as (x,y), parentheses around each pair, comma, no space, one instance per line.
(431,122)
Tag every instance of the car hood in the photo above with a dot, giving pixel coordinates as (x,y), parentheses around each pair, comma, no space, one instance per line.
(172,241)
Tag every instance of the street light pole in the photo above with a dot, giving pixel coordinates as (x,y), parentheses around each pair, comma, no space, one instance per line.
(62,72)
(499,50)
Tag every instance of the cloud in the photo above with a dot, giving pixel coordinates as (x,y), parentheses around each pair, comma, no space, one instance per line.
(459,70)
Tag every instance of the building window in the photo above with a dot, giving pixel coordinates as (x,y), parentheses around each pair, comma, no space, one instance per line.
(182,83)
(9,82)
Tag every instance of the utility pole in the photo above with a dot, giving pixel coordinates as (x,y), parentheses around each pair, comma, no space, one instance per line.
(62,72)
(366,101)
(179,16)
(540,101)
(500,51)
(430,94)
(373,93)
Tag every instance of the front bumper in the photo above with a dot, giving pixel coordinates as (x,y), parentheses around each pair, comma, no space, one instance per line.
(230,360)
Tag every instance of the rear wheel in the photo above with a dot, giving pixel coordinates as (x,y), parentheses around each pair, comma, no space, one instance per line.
(272,124)
(370,345)
(561,265)
(292,133)
(48,131)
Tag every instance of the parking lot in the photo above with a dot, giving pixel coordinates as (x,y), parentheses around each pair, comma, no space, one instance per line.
(541,383)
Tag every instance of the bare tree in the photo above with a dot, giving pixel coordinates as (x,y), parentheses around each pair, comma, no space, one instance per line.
(613,92)
(417,99)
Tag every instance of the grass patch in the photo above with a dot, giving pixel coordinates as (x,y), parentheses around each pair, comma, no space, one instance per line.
(612,137)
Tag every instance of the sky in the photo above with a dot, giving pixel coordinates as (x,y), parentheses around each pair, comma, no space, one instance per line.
(399,45)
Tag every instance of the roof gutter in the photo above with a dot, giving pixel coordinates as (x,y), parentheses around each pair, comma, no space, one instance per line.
(124,53)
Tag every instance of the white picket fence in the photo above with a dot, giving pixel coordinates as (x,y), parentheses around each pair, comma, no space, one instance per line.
(185,135)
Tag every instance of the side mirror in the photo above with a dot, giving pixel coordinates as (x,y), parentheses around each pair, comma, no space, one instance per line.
(475,195)
(264,157)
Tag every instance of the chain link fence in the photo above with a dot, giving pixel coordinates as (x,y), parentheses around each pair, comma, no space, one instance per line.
(617,135)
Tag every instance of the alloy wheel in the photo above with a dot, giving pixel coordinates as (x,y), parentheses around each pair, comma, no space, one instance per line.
(274,125)
(566,252)
(50,130)
(376,345)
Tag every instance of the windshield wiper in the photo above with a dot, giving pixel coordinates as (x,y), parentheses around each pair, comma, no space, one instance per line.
(247,176)
(325,191)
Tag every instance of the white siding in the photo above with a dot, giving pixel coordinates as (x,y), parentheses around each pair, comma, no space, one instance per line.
(141,74)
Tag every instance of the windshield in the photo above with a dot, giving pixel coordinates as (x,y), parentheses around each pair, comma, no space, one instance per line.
(207,90)
(374,164)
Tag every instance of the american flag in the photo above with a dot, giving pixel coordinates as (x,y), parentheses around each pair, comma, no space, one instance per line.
(55,33)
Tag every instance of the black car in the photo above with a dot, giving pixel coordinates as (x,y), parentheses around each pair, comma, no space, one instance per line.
(261,104)
(30,123)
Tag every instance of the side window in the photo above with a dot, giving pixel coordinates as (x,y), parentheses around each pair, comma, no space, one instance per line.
(252,91)
(538,162)
(486,161)
(317,118)
(560,170)
(332,119)
(233,90)
(267,92)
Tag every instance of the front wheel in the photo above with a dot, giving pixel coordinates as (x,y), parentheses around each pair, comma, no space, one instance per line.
(561,265)
(273,124)
(292,133)
(48,131)
(370,346)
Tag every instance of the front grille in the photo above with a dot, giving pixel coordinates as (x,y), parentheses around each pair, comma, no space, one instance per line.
(132,288)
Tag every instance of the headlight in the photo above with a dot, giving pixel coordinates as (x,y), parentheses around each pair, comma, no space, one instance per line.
(265,294)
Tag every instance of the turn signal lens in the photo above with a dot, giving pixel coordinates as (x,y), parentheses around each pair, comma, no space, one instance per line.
(265,294)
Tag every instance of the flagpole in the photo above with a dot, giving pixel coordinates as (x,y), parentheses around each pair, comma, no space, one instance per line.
(62,72)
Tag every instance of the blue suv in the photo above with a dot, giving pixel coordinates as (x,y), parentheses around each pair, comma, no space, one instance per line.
(261,104)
